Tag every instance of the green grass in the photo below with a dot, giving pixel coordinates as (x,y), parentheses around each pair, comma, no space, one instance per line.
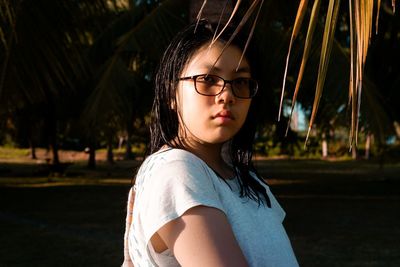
(339,213)
(11,152)
(83,225)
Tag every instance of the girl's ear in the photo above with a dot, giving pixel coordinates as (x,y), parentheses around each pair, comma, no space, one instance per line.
(173,104)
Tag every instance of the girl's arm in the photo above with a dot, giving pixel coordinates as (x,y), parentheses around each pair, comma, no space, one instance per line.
(127,259)
(202,236)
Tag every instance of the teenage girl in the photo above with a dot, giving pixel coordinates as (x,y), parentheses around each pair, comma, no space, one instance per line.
(198,199)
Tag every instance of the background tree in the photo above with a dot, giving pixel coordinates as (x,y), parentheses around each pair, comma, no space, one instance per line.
(82,70)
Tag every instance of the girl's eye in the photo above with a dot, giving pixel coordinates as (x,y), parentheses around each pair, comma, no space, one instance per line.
(210,79)
(241,81)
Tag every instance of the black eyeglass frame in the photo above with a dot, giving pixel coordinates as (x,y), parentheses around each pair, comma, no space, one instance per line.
(194,77)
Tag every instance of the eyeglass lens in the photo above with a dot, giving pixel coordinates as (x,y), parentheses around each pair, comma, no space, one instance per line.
(212,85)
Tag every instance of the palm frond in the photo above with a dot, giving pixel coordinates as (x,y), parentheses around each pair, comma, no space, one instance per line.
(296,29)
(115,81)
(164,21)
(375,110)
(234,11)
(377,16)
(250,34)
(109,95)
(306,52)
(199,14)
(361,17)
(244,19)
(51,48)
(330,25)
(220,19)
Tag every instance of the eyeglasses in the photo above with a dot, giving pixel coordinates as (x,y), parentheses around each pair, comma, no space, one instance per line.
(213,85)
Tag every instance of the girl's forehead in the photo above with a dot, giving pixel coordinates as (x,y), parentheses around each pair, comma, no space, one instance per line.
(217,59)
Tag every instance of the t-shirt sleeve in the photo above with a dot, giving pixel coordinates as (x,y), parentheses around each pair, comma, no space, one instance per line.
(173,188)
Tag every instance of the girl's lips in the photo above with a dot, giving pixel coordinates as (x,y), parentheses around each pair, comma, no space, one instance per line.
(223,117)
(224,114)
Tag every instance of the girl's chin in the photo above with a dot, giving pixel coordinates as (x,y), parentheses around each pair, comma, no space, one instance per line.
(217,137)
(209,141)
(218,140)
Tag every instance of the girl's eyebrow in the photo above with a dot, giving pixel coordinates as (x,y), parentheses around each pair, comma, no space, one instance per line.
(243,69)
(215,68)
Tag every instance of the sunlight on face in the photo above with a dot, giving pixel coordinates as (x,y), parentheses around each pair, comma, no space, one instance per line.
(212,119)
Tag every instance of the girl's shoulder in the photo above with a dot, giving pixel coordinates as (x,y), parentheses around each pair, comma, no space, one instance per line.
(169,157)
(174,154)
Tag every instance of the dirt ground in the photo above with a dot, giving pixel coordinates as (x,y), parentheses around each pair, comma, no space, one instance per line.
(339,214)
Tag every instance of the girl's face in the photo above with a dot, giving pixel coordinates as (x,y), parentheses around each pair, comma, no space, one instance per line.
(212,119)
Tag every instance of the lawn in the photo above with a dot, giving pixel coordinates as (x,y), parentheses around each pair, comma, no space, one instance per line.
(339,213)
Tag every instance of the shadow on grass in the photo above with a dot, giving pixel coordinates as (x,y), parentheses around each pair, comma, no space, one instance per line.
(338,214)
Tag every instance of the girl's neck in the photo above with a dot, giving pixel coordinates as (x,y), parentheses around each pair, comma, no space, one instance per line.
(211,155)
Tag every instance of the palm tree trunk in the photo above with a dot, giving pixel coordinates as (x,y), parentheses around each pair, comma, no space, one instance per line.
(324,146)
(354,152)
(128,145)
(54,150)
(52,133)
(31,140)
(110,154)
(33,149)
(92,155)
(128,151)
(367,146)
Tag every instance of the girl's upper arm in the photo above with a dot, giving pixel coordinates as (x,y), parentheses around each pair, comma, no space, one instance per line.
(202,236)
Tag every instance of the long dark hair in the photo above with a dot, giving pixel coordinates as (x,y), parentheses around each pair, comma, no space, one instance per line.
(165,123)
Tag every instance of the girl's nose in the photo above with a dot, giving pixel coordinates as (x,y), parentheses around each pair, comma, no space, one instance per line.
(226,96)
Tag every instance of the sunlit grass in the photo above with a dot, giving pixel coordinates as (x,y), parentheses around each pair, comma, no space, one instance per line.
(11,152)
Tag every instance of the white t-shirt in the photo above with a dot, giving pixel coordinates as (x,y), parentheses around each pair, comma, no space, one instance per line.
(172,181)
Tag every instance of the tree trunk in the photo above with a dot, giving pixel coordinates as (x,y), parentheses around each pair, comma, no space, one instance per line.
(92,155)
(31,138)
(120,142)
(324,146)
(128,145)
(128,151)
(110,154)
(54,149)
(33,149)
(367,146)
(354,152)
(52,131)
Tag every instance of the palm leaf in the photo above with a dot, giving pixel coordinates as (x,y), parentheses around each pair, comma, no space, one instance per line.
(296,29)
(361,16)
(250,34)
(327,41)
(360,34)
(164,21)
(307,48)
(52,47)
(219,20)
(245,18)
(200,12)
(234,11)
(115,81)
(375,110)
(102,101)
(377,15)
(353,64)
(3,39)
